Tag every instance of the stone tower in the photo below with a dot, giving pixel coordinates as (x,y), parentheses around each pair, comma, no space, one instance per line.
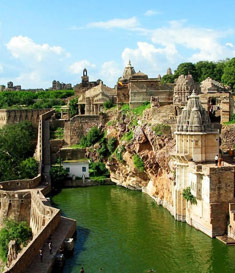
(128,71)
(197,143)
(85,78)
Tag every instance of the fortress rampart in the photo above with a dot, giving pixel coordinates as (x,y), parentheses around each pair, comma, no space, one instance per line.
(19,115)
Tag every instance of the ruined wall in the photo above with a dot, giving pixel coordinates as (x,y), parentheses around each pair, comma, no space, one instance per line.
(15,116)
(78,126)
(227,137)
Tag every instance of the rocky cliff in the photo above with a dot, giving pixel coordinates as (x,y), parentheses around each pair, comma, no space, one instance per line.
(152,142)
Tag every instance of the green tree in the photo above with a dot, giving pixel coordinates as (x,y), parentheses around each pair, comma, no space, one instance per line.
(58,174)
(228,77)
(20,232)
(185,69)
(168,79)
(205,69)
(29,168)
(16,144)
(73,107)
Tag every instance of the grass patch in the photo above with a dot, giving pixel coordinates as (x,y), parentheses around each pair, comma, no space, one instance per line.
(138,111)
(232,120)
(58,133)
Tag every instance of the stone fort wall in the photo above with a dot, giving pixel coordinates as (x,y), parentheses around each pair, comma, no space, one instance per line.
(15,116)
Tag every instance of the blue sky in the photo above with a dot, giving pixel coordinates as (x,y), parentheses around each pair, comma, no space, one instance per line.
(45,40)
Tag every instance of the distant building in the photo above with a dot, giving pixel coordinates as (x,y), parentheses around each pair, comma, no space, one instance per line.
(56,85)
(10,87)
(77,168)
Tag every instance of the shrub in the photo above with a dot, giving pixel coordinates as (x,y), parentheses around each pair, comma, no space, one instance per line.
(188,196)
(111,145)
(91,138)
(162,129)
(58,133)
(29,168)
(20,232)
(58,174)
(98,169)
(138,162)
(73,107)
(108,104)
(125,108)
(118,153)
(127,136)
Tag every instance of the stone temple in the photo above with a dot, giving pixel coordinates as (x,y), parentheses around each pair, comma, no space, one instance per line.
(197,144)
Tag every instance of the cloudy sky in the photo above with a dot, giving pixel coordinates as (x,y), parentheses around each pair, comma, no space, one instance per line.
(55,39)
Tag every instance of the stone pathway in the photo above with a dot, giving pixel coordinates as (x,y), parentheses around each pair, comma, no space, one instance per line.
(65,229)
(226,240)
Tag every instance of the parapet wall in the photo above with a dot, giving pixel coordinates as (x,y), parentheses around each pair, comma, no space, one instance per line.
(20,184)
(15,116)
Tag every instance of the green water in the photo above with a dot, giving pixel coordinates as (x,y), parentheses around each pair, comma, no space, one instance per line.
(124,231)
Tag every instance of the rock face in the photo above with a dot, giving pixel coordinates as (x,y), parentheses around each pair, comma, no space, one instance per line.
(228,137)
(157,179)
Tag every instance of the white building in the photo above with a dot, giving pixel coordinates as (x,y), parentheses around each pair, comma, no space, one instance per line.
(77,168)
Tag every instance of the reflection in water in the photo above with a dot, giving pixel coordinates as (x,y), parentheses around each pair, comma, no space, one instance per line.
(123,231)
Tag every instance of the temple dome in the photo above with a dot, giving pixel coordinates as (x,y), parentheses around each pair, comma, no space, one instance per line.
(194,117)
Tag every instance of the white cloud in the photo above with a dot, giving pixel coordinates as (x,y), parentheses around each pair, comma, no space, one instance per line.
(229,45)
(110,71)
(37,64)
(204,43)
(178,43)
(116,23)
(77,68)
(151,12)
(25,48)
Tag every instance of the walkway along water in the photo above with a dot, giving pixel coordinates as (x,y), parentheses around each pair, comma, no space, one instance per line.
(124,231)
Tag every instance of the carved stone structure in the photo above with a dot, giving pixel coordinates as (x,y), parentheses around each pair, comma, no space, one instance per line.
(184,87)
(137,88)
(197,143)
(91,101)
(217,100)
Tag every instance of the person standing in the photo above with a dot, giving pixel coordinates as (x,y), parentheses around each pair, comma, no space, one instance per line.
(82,270)
(50,247)
(216,160)
(41,255)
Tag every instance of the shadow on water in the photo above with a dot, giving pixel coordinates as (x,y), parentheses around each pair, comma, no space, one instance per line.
(81,237)
(72,261)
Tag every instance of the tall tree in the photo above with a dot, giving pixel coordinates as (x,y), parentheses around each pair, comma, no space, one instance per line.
(185,69)
(205,69)
(228,77)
